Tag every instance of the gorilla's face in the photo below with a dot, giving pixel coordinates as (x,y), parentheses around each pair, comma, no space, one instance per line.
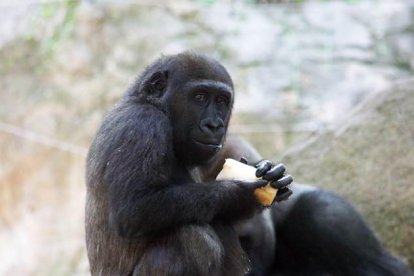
(200,121)
(199,102)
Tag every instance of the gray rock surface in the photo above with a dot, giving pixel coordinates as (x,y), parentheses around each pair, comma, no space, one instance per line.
(369,159)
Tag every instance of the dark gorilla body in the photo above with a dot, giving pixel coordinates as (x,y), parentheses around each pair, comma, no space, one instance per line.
(154,207)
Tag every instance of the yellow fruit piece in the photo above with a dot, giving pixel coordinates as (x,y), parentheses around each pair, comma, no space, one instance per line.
(235,170)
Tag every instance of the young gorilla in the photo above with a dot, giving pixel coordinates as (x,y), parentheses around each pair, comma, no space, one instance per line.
(153,206)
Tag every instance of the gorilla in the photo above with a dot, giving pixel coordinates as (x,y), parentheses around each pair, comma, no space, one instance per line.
(153,206)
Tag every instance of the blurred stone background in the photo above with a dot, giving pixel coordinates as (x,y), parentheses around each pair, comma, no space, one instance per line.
(322,85)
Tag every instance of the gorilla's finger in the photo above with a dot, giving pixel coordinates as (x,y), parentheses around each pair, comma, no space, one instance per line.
(275,173)
(262,167)
(283,194)
(283,182)
(243,160)
(258,183)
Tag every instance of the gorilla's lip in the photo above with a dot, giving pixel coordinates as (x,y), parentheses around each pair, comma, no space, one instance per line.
(208,143)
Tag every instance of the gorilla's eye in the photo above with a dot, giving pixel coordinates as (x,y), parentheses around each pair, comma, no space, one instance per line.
(158,85)
(200,98)
(223,100)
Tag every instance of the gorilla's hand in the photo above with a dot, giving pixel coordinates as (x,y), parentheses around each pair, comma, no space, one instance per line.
(275,174)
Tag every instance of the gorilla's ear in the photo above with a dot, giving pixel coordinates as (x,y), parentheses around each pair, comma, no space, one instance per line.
(157,84)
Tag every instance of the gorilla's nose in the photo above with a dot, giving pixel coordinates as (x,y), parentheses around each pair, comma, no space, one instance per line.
(212,125)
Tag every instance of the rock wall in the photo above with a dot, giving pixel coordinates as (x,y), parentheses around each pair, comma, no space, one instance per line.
(369,159)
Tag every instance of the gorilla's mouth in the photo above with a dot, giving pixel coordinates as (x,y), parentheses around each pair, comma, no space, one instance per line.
(210,144)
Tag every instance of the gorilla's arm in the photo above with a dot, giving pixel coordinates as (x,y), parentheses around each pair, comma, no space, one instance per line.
(238,149)
(142,196)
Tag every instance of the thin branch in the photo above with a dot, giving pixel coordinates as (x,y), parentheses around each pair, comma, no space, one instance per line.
(42,139)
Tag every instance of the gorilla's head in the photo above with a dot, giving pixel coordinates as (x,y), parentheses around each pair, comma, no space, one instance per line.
(196,92)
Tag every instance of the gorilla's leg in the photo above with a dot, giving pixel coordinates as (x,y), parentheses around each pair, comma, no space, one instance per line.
(235,261)
(161,260)
(257,237)
(321,233)
(188,250)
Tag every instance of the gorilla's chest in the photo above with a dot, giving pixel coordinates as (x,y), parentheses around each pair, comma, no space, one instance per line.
(182,175)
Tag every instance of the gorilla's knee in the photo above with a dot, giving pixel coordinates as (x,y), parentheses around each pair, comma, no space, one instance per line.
(161,261)
(183,252)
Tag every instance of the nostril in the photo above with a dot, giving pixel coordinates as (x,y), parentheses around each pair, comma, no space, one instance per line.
(212,125)
(215,125)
